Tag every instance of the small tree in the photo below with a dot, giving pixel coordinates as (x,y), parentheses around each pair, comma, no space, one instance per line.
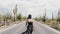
(24,18)
(19,17)
(35,18)
(6,18)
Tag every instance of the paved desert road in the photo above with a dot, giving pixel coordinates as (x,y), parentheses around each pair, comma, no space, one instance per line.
(38,29)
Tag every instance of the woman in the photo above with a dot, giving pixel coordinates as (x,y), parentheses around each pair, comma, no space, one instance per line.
(29,23)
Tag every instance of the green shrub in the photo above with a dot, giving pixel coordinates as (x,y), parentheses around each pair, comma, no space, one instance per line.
(19,17)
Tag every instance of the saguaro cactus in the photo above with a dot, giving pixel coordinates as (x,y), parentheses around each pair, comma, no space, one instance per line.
(58,18)
(52,17)
(44,17)
(14,12)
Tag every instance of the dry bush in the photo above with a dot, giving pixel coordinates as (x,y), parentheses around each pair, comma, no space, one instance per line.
(58,27)
(54,24)
(48,21)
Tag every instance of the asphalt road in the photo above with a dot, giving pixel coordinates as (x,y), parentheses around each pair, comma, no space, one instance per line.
(38,29)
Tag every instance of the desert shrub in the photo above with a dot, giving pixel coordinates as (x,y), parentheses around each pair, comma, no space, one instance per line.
(23,17)
(19,17)
(58,27)
(48,21)
(54,24)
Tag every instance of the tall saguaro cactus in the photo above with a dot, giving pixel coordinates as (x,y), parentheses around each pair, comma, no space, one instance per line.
(58,17)
(59,12)
(52,16)
(44,17)
(15,12)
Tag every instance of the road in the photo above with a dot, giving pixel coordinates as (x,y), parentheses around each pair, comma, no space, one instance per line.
(38,29)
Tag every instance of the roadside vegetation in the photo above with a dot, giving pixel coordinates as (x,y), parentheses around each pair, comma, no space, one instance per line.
(9,20)
(53,22)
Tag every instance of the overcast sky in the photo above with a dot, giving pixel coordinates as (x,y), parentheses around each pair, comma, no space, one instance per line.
(34,7)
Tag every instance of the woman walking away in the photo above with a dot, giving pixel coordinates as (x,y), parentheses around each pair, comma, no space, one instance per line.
(29,24)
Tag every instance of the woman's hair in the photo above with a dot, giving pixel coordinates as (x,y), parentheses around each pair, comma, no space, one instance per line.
(29,16)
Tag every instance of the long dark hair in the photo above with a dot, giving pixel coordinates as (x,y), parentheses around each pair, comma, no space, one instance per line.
(29,16)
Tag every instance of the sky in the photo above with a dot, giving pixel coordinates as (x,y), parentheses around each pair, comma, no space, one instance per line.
(34,7)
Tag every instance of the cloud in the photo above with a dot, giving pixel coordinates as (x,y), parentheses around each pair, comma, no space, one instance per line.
(34,7)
